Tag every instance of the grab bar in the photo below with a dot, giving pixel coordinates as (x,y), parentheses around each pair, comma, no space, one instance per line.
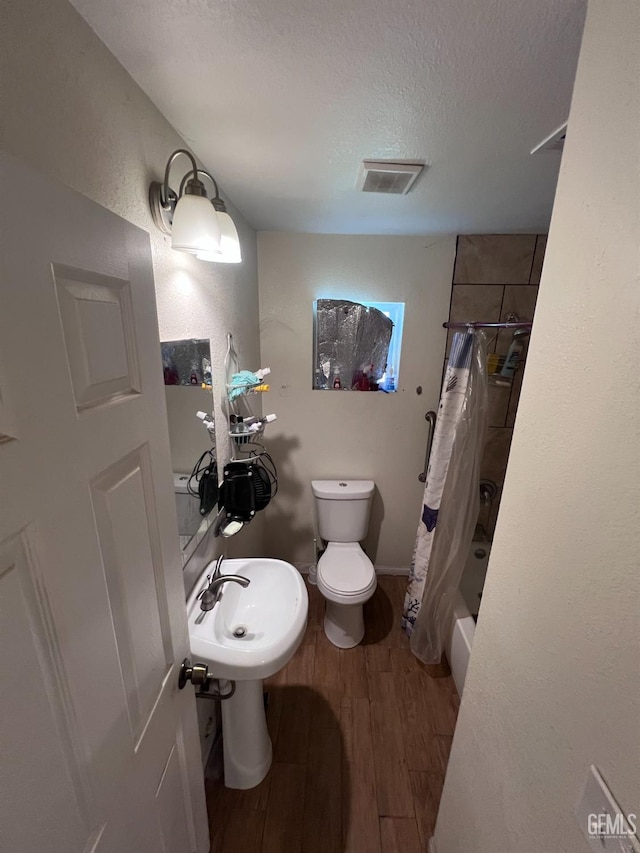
(430,418)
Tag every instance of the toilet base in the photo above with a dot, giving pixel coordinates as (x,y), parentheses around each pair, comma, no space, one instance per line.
(344,624)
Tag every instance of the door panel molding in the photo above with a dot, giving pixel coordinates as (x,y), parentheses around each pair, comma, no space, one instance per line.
(177,830)
(131,553)
(98,326)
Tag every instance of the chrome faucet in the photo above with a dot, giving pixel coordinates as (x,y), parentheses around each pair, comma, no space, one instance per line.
(210,595)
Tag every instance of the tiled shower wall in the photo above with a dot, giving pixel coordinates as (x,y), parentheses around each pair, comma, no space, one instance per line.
(496,275)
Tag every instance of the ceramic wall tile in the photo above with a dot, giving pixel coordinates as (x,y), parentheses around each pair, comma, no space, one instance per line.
(519,300)
(538,259)
(496,454)
(494,259)
(493,514)
(515,396)
(495,275)
(474,302)
(499,397)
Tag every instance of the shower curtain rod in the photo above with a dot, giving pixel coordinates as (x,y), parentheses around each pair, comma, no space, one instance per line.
(476,325)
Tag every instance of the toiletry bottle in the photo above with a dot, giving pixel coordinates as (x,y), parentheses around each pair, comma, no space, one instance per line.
(371,378)
(391,380)
(259,424)
(336,379)
(240,432)
(512,359)
(209,423)
(357,381)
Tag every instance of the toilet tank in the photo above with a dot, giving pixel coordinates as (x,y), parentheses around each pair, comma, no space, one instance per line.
(187,506)
(342,508)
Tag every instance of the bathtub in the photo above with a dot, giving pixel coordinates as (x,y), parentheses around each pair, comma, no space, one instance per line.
(466,607)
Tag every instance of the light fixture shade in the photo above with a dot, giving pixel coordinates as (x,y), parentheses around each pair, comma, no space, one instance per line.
(195,226)
(229,242)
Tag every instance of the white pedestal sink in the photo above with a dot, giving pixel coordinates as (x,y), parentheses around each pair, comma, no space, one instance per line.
(249,635)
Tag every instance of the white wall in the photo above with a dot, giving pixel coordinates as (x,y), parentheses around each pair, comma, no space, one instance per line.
(554,681)
(327,434)
(187,436)
(70,110)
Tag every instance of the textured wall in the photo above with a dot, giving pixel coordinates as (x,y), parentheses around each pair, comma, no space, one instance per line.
(554,683)
(327,434)
(70,110)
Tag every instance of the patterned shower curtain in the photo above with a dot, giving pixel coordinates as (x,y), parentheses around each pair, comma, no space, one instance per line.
(451,498)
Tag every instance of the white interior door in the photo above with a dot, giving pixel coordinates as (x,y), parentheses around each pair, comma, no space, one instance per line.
(98,749)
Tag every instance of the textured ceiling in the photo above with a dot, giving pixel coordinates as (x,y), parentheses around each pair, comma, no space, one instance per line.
(282,99)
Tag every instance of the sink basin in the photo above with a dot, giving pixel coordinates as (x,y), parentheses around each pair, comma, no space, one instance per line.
(250,633)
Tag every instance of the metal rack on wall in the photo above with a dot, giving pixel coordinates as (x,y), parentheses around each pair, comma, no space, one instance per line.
(246,442)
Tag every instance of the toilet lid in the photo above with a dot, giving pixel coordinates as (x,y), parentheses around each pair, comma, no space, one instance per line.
(345,568)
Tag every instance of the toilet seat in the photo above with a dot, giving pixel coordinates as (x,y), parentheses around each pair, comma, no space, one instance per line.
(345,573)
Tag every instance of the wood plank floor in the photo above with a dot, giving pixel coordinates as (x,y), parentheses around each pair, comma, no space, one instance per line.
(361,740)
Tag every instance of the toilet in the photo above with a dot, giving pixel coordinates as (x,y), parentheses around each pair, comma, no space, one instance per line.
(346,577)
(187,507)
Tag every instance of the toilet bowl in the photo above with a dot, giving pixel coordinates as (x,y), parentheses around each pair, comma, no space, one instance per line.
(346,577)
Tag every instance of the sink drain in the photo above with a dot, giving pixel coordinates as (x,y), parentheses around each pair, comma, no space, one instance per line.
(240,631)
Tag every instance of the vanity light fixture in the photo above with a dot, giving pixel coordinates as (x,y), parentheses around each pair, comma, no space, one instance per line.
(197,224)
(229,241)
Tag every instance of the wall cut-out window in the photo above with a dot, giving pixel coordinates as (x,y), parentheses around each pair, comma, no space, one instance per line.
(357,344)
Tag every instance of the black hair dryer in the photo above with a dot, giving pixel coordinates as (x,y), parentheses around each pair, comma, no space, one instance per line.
(246,489)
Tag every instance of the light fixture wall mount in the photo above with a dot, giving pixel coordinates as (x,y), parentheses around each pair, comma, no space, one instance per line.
(197,224)
(163,200)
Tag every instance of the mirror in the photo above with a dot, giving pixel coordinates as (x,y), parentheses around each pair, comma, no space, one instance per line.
(356,345)
(188,389)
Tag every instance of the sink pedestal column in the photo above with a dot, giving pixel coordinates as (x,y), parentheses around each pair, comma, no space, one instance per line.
(245,738)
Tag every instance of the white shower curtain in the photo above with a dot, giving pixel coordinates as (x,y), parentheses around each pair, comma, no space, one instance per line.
(451,498)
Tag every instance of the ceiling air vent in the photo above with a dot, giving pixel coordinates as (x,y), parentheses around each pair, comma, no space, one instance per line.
(553,142)
(387,176)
